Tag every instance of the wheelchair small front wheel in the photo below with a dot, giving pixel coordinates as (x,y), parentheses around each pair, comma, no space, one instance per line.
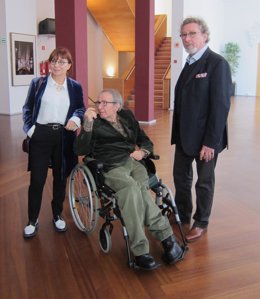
(105,240)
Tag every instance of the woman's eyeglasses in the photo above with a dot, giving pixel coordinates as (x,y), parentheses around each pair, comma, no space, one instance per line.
(60,62)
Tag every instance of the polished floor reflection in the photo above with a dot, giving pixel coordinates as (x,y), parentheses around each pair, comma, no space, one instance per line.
(225,263)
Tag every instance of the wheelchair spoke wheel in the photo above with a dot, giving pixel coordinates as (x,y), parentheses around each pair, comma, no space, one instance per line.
(83,199)
(105,240)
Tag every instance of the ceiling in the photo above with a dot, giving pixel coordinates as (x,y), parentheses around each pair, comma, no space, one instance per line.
(117,19)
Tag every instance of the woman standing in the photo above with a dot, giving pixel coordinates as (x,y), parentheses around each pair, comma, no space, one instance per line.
(52,112)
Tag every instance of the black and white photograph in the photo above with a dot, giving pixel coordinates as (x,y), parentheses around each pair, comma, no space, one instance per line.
(23,58)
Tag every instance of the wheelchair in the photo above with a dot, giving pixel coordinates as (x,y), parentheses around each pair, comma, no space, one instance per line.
(90,199)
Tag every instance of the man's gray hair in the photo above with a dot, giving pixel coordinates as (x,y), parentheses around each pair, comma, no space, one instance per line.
(117,98)
(202,24)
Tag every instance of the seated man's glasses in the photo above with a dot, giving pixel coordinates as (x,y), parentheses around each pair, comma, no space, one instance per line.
(60,62)
(103,103)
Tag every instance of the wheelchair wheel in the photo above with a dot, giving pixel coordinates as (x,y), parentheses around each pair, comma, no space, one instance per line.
(105,240)
(83,199)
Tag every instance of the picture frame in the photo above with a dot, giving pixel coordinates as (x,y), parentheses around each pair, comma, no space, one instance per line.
(23,58)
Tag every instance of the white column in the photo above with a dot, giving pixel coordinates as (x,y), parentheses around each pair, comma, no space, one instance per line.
(177,49)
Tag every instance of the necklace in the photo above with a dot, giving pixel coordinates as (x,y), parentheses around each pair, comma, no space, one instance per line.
(59,87)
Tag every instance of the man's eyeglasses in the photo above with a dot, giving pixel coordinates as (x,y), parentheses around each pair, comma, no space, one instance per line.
(189,34)
(60,62)
(103,103)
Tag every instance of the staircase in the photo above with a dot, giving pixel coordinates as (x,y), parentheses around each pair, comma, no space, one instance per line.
(162,62)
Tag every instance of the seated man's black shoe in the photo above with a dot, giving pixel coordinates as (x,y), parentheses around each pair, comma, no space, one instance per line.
(172,250)
(145,262)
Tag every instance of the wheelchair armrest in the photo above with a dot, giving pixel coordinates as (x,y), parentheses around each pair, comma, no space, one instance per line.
(95,168)
(153,156)
(93,164)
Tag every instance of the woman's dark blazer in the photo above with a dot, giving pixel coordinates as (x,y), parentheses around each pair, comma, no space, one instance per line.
(31,110)
(202,104)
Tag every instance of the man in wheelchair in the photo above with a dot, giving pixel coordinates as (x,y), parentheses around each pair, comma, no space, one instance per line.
(113,136)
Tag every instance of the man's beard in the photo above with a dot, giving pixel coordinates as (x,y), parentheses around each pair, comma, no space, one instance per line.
(191,51)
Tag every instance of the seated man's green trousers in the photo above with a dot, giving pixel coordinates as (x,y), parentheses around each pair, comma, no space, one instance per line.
(138,209)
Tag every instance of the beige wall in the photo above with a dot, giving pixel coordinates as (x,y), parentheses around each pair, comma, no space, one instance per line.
(124,60)
(101,54)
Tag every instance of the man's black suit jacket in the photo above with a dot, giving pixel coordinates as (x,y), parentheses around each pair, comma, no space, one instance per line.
(202,102)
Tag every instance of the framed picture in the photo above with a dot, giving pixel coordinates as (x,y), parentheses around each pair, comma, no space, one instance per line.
(23,55)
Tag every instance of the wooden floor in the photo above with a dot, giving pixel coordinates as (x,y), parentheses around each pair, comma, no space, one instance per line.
(224,264)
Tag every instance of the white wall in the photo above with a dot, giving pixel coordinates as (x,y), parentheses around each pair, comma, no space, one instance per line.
(233,21)
(4,59)
(45,43)
(177,49)
(164,8)
(243,26)
(20,17)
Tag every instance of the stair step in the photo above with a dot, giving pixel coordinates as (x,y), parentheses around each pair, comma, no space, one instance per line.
(160,70)
(160,64)
(163,56)
(165,53)
(159,76)
(161,67)
(164,49)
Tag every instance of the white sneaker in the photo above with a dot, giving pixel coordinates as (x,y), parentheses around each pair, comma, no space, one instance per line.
(31,229)
(59,224)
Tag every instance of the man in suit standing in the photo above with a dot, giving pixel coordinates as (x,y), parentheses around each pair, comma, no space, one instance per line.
(199,128)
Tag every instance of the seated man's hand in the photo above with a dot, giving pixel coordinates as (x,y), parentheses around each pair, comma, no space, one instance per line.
(137,155)
(90,114)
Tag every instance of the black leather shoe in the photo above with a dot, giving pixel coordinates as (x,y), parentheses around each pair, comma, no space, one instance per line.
(172,250)
(146,262)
